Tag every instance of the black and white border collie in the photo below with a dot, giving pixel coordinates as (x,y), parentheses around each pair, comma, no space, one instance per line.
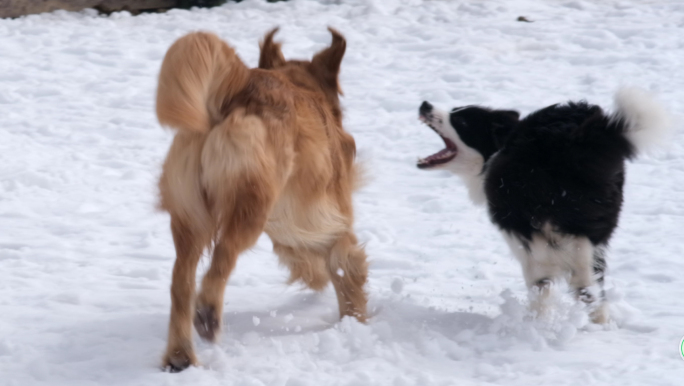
(552,181)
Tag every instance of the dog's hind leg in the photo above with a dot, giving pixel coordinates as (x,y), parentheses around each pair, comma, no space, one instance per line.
(349,271)
(579,255)
(599,314)
(189,246)
(209,305)
(241,179)
(241,232)
(600,267)
(191,228)
(587,265)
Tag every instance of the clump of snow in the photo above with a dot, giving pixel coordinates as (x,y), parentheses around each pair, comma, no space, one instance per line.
(397,285)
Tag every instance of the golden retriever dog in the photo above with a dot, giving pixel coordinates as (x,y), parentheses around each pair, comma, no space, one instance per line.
(256,150)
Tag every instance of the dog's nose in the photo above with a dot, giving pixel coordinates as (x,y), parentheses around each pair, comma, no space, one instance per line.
(425,108)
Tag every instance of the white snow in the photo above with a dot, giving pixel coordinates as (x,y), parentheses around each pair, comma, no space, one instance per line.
(85,260)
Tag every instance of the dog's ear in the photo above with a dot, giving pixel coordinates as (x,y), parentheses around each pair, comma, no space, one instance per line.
(271,56)
(326,64)
(503,123)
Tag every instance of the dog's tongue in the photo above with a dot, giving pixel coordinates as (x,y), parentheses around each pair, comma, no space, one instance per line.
(442,156)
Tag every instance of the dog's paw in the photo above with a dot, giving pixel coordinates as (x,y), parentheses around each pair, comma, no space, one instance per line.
(207,323)
(600,315)
(543,284)
(176,361)
(584,295)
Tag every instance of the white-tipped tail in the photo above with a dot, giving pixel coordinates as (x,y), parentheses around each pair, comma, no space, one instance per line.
(646,123)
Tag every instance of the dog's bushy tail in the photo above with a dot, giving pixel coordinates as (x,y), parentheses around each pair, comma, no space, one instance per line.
(642,120)
(199,74)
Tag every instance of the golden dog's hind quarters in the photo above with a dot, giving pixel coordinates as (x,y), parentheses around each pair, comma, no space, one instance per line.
(255,150)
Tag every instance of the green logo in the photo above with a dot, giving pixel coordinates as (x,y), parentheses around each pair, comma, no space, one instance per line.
(681,348)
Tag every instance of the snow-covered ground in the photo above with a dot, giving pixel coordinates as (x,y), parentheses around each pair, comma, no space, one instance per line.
(85,259)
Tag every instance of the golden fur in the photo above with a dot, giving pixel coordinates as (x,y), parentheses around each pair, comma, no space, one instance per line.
(256,150)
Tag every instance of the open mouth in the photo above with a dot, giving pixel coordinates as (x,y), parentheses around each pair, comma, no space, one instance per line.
(443,156)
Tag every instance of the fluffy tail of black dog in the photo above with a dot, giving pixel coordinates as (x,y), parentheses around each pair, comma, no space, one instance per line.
(640,119)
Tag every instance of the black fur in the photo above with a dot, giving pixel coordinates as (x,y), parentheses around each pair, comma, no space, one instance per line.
(483,129)
(562,165)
